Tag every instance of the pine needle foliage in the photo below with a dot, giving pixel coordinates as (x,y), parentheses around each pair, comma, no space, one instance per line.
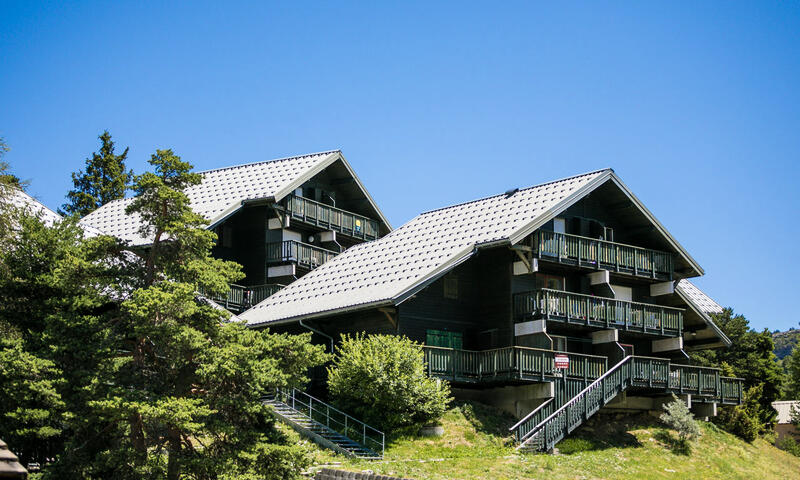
(105,178)
(677,416)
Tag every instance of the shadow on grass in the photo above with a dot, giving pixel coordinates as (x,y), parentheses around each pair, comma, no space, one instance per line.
(486,419)
(602,432)
(676,445)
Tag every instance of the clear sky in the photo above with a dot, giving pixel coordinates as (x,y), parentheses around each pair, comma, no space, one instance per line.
(695,105)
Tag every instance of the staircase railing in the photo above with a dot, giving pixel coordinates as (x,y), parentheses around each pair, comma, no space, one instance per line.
(566,418)
(544,431)
(335,419)
(531,420)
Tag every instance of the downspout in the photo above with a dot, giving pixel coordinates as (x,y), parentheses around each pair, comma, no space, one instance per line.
(313,330)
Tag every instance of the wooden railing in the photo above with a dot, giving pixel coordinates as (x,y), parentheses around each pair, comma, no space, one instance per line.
(601,254)
(576,308)
(335,419)
(239,298)
(509,363)
(301,253)
(632,371)
(259,293)
(332,218)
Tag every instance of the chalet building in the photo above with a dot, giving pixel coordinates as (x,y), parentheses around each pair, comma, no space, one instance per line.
(550,301)
(279,219)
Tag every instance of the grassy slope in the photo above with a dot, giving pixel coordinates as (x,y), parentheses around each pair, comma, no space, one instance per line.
(475,446)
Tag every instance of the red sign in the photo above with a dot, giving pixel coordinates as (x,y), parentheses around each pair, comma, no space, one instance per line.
(562,361)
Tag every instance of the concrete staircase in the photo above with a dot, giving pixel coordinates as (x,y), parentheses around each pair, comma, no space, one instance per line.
(325,425)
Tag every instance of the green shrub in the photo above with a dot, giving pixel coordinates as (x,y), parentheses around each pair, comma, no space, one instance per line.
(677,416)
(743,420)
(381,380)
(789,444)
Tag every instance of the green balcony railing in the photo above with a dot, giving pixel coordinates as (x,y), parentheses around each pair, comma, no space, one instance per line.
(604,255)
(588,310)
(239,298)
(303,254)
(508,363)
(332,218)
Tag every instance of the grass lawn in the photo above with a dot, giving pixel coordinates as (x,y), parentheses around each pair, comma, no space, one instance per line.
(476,445)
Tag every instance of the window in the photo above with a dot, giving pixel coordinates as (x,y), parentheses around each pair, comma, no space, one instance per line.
(559,225)
(608,234)
(444,338)
(552,282)
(451,286)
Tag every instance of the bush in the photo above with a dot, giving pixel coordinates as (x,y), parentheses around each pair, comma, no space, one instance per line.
(743,420)
(381,380)
(790,445)
(677,416)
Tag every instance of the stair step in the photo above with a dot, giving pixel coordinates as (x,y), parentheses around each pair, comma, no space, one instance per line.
(316,428)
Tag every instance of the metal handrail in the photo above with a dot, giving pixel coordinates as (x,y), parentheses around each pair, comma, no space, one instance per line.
(347,427)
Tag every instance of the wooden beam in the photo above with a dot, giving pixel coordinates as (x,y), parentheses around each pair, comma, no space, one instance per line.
(389,313)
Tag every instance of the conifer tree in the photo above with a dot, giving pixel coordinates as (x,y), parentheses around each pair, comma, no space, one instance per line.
(184,399)
(105,178)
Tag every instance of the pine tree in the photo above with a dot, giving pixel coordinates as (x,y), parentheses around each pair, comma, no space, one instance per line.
(105,179)
(184,398)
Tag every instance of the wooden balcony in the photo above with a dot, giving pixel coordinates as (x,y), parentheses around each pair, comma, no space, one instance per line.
(703,383)
(508,364)
(239,298)
(602,255)
(331,218)
(303,254)
(591,311)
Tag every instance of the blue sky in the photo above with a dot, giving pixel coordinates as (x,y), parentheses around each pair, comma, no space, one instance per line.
(695,105)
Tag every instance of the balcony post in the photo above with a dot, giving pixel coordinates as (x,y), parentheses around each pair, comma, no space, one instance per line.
(588,310)
(652,264)
(547,305)
(579,252)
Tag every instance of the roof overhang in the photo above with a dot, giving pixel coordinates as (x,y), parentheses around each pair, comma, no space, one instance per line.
(608,175)
(298,182)
(724,341)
